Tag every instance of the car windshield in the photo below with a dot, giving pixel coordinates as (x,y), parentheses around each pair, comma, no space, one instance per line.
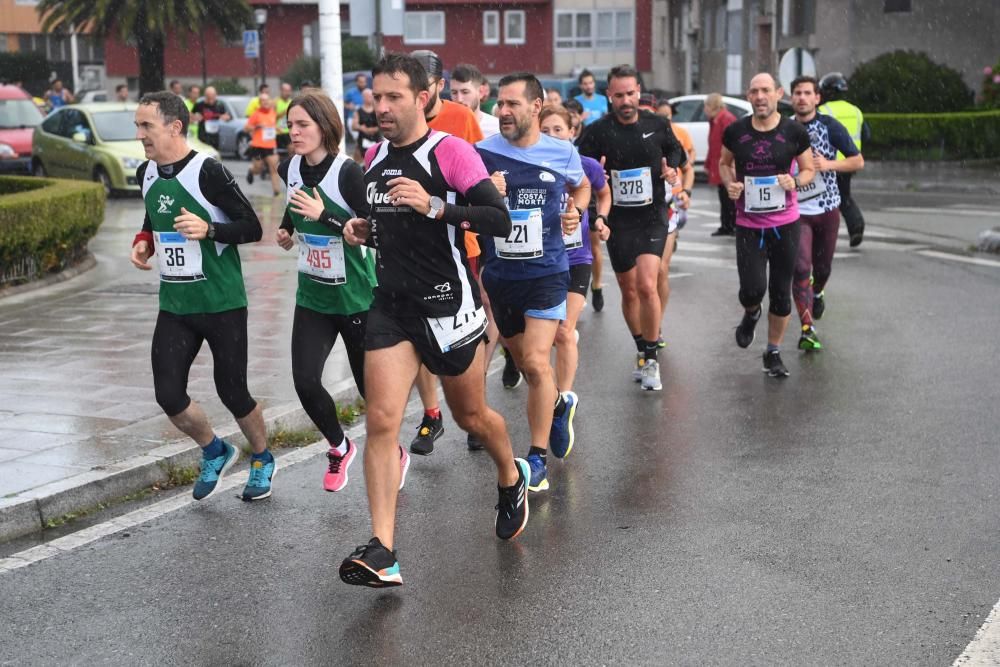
(115,125)
(19,113)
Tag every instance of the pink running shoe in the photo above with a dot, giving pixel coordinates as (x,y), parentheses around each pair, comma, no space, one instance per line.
(335,478)
(404,465)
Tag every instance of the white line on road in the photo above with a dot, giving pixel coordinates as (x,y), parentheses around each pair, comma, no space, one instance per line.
(967,212)
(984,649)
(959,258)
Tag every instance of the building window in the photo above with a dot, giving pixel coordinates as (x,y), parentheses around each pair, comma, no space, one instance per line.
(894,6)
(491,27)
(601,29)
(423,28)
(513,27)
(798,17)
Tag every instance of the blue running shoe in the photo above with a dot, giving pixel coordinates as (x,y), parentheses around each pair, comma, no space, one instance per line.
(259,483)
(539,473)
(212,470)
(561,436)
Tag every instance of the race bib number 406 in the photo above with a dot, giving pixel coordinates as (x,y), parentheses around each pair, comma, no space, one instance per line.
(179,259)
(763,194)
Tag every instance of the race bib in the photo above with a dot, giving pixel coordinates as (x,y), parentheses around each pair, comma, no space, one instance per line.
(322,258)
(525,240)
(211,127)
(574,240)
(762,194)
(454,331)
(632,187)
(268,133)
(179,258)
(813,189)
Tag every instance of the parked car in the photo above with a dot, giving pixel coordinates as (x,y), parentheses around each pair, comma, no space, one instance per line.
(93,96)
(689,113)
(18,118)
(233,140)
(93,142)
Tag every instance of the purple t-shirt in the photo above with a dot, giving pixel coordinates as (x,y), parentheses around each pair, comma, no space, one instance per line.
(595,174)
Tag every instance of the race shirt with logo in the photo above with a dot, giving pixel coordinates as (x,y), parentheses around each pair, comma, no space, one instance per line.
(760,157)
(537,177)
(420,263)
(334,278)
(827,136)
(634,162)
(578,247)
(197,276)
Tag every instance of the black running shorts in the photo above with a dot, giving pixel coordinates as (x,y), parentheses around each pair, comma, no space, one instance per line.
(579,279)
(625,245)
(385,330)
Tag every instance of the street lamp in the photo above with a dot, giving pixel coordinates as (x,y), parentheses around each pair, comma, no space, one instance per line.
(260,17)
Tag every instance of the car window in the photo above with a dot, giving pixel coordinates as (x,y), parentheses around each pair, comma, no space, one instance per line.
(689,111)
(739,112)
(18,113)
(75,122)
(115,125)
(53,124)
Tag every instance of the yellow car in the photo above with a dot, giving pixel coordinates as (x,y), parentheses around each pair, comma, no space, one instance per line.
(94,142)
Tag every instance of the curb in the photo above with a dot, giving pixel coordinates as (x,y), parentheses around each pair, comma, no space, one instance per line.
(989,240)
(904,186)
(27,512)
(81,267)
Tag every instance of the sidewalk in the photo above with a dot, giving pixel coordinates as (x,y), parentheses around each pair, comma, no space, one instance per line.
(974,177)
(79,423)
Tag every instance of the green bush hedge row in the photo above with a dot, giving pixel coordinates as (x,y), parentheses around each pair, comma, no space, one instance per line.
(45,224)
(942,136)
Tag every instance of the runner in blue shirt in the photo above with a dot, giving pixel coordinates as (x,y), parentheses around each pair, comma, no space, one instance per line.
(594,105)
(526,274)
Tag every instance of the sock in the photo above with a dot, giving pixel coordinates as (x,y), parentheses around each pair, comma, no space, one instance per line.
(538,451)
(649,350)
(213,449)
(264,456)
(638,342)
(560,407)
(757,316)
(340,449)
(433,413)
(771,348)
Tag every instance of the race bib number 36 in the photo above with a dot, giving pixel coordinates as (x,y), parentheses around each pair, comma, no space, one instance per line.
(632,187)
(525,240)
(322,258)
(454,331)
(763,194)
(179,258)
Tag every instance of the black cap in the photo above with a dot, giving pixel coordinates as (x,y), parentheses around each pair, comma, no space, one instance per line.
(834,81)
(431,63)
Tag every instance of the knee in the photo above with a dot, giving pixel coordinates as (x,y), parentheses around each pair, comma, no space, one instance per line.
(535,368)
(780,305)
(646,288)
(565,335)
(172,401)
(471,420)
(751,297)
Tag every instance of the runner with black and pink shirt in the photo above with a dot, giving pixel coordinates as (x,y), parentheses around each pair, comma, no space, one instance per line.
(757,155)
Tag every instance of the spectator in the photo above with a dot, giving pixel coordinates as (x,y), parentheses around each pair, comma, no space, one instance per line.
(58,96)
(365,124)
(553,97)
(594,105)
(719,118)
(176,88)
(121,92)
(352,97)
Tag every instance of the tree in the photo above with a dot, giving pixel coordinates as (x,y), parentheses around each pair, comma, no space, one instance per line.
(147,23)
(907,82)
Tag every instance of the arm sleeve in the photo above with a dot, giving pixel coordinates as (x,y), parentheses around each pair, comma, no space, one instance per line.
(840,138)
(220,188)
(587,144)
(140,173)
(485,214)
(352,188)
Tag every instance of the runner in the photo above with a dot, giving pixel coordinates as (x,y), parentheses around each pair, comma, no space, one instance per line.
(263,124)
(640,151)
(426,189)
(195,217)
(555,122)
(526,272)
(324,190)
(818,203)
(757,155)
(595,105)
(208,113)
(254,103)
(466,85)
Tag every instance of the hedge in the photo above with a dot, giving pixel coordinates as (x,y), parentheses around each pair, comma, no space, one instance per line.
(45,225)
(933,136)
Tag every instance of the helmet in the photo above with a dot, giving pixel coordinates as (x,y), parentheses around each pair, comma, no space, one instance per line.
(431,62)
(833,85)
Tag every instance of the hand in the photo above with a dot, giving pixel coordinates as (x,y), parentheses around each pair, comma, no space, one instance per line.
(683,199)
(735,190)
(604,159)
(284,239)
(408,192)
(570,218)
(141,253)
(822,164)
(500,182)
(786,182)
(226,117)
(309,206)
(356,231)
(190,225)
(668,173)
(603,231)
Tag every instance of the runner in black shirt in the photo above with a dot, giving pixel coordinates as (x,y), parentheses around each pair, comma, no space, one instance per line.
(640,151)
(208,113)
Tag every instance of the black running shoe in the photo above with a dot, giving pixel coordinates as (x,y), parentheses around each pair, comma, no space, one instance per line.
(773,365)
(250,176)
(512,508)
(745,331)
(474,444)
(371,565)
(597,298)
(819,306)
(511,376)
(857,235)
(430,429)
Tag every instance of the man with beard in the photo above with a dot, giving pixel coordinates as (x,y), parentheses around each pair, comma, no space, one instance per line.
(640,151)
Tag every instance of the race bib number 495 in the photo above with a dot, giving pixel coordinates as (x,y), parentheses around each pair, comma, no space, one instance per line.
(322,258)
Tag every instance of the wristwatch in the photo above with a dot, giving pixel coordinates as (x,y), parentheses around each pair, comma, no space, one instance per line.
(436,207)
(210,234)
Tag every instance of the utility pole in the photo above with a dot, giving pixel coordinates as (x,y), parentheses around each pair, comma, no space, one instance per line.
(331,65)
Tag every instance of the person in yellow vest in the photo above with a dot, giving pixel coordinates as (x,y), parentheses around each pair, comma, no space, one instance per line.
(833,87)
(281,105)
(194,92)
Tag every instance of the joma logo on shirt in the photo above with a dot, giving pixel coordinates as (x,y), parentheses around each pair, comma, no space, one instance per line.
(166,202)
(392,172)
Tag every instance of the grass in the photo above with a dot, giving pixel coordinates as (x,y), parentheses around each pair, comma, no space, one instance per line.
(69,517)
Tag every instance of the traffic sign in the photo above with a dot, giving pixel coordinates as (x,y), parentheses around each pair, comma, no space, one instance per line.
(251,44)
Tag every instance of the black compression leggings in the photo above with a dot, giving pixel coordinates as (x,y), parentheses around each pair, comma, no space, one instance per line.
(176,341)
(313,337)
(755,250)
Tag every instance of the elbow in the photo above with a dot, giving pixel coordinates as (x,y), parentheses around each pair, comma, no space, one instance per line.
(861,162)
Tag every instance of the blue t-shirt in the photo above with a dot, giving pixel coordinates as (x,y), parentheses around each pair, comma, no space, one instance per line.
(597,106)
(537,178)
(595,174)
(353,96)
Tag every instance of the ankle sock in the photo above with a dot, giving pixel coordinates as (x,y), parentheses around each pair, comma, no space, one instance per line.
(771,348)
(638,342)
(264,456)
(539,451)
(340,449)
(649,350)
(433,413)
(213,449)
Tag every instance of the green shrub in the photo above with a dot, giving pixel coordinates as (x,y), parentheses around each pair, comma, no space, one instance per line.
(32,69)
(907,82)
(45,224)
(355,54)
(304,68)
(991,87)
(943,136)
(228,87)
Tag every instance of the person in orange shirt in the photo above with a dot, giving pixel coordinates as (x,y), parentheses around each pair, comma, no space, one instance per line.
(263,126)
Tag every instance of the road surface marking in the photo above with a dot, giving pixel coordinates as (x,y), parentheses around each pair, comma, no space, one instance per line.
(978,261)
(984,649)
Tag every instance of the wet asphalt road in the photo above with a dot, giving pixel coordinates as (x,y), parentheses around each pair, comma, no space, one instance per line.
(846,515)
